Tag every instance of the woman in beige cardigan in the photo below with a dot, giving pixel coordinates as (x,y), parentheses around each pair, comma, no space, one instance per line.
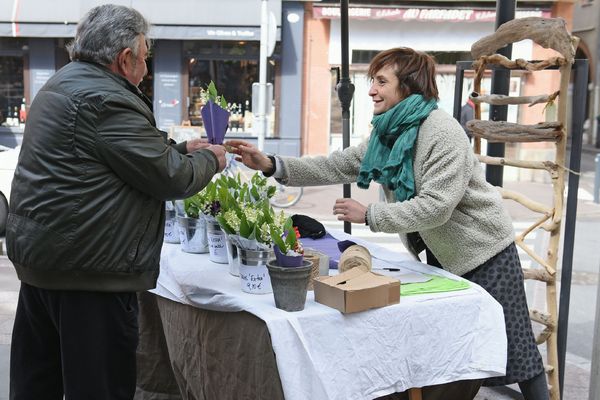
(437,198)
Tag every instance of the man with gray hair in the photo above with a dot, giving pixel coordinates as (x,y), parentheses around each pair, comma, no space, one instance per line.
(86,219)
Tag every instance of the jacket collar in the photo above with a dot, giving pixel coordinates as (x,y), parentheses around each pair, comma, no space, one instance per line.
(122,81)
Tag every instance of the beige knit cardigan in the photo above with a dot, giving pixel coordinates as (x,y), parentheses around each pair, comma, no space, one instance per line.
(458,214)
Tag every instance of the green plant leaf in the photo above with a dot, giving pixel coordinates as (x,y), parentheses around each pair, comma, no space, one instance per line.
(191,207)
(254,193)
(290,238)
(277,239)
(212,92)
(245,228)
(224,225)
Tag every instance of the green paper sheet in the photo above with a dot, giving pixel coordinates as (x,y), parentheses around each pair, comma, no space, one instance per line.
(436,284)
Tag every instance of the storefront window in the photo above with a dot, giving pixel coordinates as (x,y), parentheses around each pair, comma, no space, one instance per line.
(233,67)
(12,90)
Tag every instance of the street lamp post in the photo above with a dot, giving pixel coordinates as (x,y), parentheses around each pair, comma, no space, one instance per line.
(345,91)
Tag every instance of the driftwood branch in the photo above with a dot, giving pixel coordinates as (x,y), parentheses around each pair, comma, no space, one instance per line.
(519,63)
(527,202)
(537,274)
(537,224)
(547,32)
(547,165)
(521,243)
(502,100)
(541,338)
(542,318)
(502,131)
(552,225)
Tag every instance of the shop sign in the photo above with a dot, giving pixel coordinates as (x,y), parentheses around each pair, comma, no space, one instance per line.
(167,98)
(421,14)
(225,33)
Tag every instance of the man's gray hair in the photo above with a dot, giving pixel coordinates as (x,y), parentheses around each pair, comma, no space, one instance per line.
(105,31)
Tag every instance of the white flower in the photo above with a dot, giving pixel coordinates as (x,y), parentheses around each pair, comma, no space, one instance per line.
(232,220)
(251,214)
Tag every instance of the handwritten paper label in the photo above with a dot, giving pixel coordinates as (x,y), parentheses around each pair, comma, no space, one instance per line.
(216,247)
(255,279)
(182,236)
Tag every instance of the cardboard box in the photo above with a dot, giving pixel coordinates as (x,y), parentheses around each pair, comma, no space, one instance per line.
(356,290)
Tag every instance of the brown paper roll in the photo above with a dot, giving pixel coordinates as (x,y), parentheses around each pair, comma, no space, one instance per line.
(355,256)
(315,268)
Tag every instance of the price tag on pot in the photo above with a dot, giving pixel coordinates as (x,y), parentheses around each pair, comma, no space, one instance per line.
(255,279)
(217,247)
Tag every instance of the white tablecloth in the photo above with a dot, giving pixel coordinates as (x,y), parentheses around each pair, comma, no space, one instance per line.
(323,354)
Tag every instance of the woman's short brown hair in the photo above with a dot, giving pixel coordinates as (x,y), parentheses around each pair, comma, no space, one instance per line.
(415,70)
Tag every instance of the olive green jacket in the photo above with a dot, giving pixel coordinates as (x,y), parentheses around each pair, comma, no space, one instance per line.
(87,198)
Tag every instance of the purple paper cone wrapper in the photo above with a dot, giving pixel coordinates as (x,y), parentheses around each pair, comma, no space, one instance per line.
(283,260)
(344,244)
(216,120)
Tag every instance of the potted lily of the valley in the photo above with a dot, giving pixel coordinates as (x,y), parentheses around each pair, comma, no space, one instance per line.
(192,225)
(216,237)
(244,201)
(171,234)
(287,248)
(289,272)
(248,227)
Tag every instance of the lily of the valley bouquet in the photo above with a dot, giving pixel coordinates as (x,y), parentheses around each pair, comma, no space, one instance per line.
(204,203)
(287,247)
(215,115)
(247,216)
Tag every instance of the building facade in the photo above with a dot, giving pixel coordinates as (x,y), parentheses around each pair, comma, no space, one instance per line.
(586,15)
(444,29)
(193,43)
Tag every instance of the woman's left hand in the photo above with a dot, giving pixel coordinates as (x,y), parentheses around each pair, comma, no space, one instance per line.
(349,210)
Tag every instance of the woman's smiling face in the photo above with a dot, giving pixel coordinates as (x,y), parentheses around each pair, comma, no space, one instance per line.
(385,90)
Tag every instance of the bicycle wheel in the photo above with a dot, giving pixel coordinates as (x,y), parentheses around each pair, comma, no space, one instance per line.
(286,196)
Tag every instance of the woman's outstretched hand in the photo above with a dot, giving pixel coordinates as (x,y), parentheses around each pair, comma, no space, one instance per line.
(249,155)
(349,210)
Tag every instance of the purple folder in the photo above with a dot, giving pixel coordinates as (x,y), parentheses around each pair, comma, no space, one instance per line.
(328,245)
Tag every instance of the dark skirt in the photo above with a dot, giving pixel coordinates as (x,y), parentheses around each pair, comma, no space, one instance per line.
(502,277)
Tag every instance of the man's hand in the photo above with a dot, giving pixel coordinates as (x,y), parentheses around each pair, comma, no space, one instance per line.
(349,210)
(219,151)
(196,144)
(249,154)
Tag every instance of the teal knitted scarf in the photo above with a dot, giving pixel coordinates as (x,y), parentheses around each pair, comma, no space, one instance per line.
(389,156)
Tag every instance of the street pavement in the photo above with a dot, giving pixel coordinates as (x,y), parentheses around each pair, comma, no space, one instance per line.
(317,202)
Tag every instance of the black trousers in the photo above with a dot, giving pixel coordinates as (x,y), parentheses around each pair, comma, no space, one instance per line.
(73,343)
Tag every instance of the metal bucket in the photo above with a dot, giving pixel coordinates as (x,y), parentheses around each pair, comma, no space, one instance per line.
(254,275)
(192,234)
(171,232)
(232,257)
(217,248)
